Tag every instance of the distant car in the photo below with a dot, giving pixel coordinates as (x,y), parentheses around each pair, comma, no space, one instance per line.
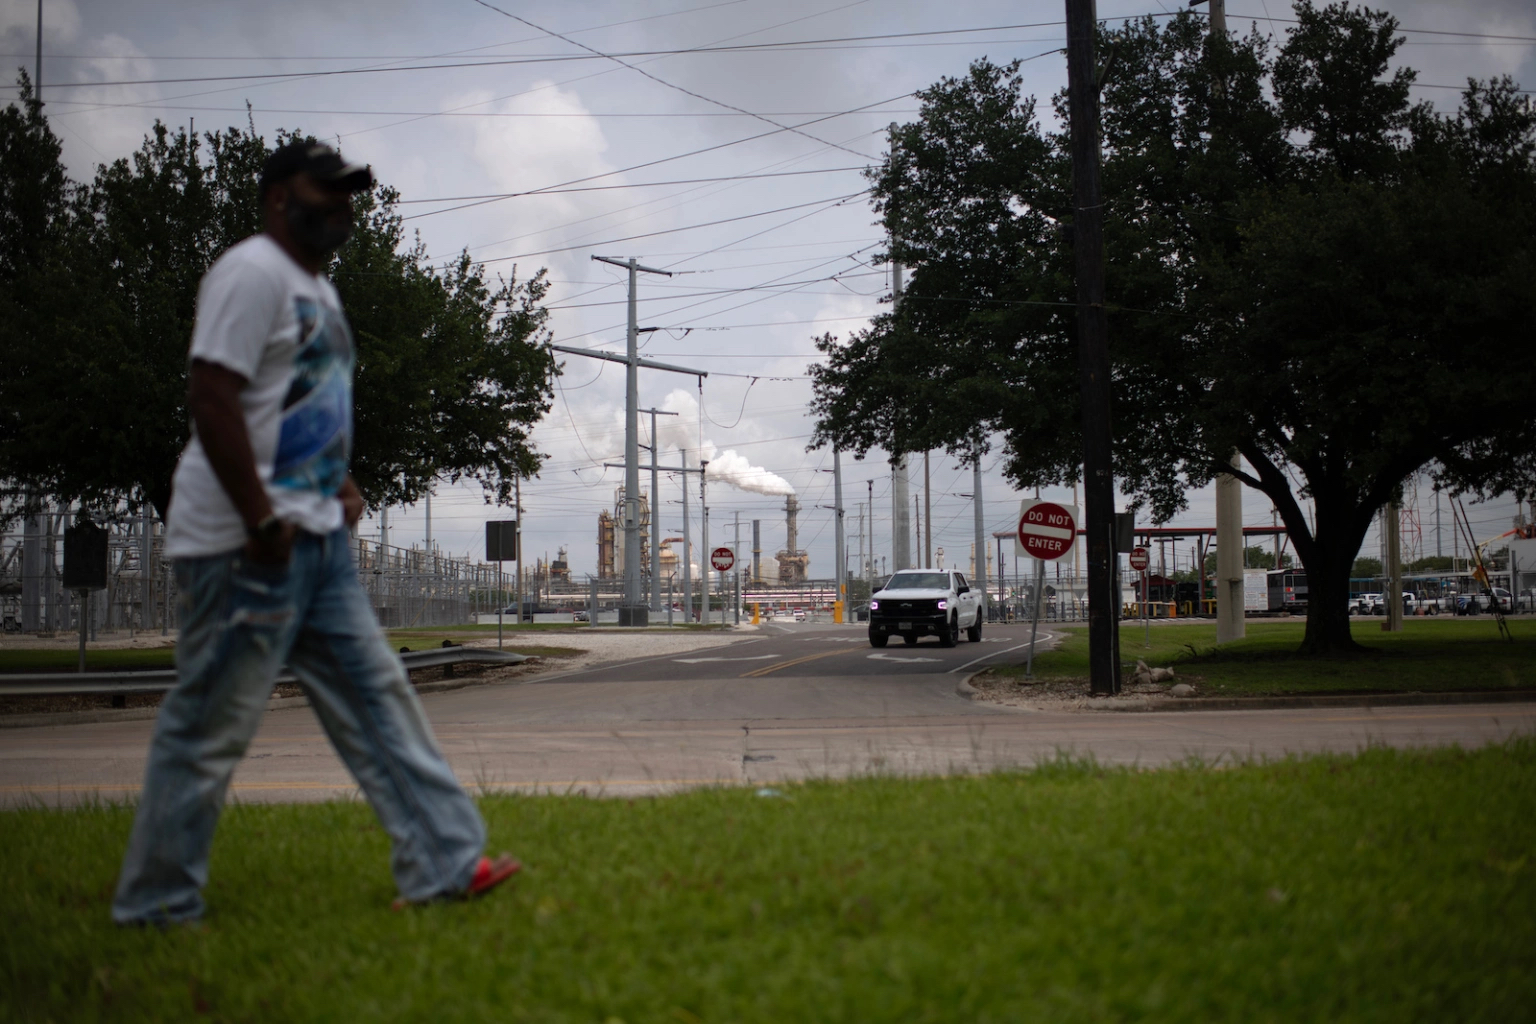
(1370,604)
(799,614)
(579,617)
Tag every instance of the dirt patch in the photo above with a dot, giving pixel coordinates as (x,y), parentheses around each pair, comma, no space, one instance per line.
(1064,693)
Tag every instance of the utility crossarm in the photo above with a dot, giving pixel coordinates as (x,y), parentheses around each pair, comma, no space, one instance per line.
(613,358)
(663,469)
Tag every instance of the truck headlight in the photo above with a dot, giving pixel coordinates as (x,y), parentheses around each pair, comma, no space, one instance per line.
(943,604)
(874,606)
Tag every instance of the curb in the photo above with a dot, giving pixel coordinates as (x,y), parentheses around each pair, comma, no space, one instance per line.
(1382,700)
(964,688)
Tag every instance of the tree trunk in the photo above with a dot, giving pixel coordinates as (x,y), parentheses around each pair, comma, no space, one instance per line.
(1326,553)
(1328,569)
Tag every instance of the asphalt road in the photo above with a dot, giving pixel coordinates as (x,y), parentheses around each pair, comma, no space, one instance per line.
(790,702)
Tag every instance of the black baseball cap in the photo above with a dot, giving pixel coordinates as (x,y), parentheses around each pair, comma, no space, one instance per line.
(321,162)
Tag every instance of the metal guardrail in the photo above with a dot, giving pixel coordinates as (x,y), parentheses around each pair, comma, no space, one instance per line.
(66,684)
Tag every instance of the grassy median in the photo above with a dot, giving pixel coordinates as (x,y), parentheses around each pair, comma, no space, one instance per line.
(1429,655)
(1389,886)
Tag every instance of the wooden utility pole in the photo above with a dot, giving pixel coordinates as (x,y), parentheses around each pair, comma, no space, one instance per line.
(1093,349)
(927,513)
(902,555)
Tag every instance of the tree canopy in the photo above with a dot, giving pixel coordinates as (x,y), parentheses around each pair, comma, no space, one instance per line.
(1302,267)
(98,290)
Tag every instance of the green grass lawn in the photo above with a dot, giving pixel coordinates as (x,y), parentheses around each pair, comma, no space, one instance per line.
(1430,654)
(1387,887)
(32,659)
(116,659)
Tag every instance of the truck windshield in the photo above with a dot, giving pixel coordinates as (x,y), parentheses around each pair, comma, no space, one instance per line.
(919,581)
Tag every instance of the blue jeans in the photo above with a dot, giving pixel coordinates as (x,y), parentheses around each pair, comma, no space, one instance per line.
(240,622)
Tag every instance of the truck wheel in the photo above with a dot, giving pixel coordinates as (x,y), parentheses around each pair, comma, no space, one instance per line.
(951,634)
(877,639)
(973,634)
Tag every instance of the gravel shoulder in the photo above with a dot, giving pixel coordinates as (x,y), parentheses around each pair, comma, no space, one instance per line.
(1064,694)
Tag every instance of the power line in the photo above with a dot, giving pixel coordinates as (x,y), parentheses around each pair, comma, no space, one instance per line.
(661,160)
(594,54)
(590,54)
(721,291)
(635,184)
(828,203)
(670,85)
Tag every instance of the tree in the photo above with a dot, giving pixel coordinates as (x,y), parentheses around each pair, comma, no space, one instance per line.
(1365,568)
(1302,268)
(1430,563)
(452,372)
(35,201)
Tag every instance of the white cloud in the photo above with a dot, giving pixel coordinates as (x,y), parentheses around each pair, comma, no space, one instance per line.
(18,22)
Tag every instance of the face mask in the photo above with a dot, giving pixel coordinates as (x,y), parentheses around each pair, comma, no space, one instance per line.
(314,228)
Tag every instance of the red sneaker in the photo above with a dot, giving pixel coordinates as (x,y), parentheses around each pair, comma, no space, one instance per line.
(491,873)
(488,875)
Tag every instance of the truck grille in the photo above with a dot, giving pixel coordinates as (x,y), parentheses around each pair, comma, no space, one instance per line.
(894,609)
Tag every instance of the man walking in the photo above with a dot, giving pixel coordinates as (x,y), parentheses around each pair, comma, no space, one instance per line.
(258,529)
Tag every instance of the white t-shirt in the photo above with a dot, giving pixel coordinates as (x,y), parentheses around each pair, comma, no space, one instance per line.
(280,327)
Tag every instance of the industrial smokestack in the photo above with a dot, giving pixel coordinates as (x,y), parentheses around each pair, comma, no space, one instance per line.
(791,528)
(757,551)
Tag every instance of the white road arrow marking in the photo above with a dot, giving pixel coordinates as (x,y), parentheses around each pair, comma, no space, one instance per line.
(699,661)
(897,657)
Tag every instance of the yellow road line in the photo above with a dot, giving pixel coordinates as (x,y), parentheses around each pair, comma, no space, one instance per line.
(768,669)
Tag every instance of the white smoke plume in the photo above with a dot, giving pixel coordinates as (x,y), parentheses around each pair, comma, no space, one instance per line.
(728,467)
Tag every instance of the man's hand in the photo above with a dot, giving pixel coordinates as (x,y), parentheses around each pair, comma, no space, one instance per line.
(351,501)
(273,550)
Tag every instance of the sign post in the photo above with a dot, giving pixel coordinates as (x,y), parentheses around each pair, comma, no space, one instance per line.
(501,544)
(1046,532)
(85,570)
(1140,559)
(723,559)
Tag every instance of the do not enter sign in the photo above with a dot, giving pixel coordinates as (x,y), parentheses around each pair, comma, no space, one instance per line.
(722,559)
(1046,531)
(1140,560)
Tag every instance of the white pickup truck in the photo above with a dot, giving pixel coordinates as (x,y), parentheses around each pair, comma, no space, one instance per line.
(925,602)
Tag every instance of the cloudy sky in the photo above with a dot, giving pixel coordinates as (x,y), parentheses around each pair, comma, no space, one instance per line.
(727,152)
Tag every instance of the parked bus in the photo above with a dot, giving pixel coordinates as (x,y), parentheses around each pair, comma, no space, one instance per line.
(1287,590)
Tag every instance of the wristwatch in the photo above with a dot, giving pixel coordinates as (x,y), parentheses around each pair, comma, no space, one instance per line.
(270,528)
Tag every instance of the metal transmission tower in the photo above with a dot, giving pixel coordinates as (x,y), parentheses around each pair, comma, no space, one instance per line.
(633,612)
(656,511)
(1411,524)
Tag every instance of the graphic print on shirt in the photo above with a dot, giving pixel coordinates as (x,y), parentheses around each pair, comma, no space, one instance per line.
(316,436)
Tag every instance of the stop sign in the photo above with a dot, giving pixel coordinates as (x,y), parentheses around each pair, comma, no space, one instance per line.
(1140,560)
(722,559)
(1046,530)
